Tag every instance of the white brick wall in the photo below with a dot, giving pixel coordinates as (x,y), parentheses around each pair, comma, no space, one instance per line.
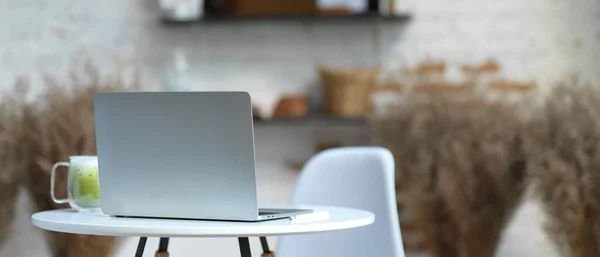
(534,39)
(531,39)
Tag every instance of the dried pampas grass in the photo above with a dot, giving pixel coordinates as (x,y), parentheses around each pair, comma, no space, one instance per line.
(12,157)
(461,162)
(61,124)
(565,154)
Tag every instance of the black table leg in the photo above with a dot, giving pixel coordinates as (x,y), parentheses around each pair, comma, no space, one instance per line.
(265,247)
(244,247)
(264,244)
(163,247)
(141,245)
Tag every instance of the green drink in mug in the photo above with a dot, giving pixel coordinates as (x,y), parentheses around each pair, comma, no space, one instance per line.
(83,185)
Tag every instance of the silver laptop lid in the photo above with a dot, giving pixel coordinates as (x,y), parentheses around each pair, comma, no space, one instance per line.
(176,154)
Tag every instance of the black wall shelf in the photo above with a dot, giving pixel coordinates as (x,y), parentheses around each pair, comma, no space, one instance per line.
(359,18)
(314,120)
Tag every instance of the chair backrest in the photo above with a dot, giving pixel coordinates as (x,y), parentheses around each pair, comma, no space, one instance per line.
(354,177)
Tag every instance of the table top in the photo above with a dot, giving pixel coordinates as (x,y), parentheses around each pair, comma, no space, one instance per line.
(96,223)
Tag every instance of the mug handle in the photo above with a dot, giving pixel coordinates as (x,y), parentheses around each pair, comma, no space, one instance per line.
(54,167)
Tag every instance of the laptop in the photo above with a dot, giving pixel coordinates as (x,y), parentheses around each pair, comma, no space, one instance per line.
(183,155)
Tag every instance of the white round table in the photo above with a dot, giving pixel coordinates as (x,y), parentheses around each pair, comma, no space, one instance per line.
(96,223)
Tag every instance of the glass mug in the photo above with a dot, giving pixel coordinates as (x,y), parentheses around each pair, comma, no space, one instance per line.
(83,185)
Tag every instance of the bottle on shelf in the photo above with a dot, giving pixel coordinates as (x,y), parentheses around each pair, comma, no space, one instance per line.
(182,10)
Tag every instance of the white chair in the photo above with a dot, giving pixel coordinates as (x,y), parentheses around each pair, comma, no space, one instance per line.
(354,177)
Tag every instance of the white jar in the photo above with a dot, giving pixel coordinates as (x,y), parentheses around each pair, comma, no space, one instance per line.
(182,10)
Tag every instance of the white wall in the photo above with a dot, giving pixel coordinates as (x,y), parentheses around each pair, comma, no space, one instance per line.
(544,40)
(534,39)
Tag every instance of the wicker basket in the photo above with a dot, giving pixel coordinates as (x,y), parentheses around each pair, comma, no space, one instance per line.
(346,92)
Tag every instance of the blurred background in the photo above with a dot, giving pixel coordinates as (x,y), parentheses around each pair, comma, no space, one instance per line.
(490,107)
